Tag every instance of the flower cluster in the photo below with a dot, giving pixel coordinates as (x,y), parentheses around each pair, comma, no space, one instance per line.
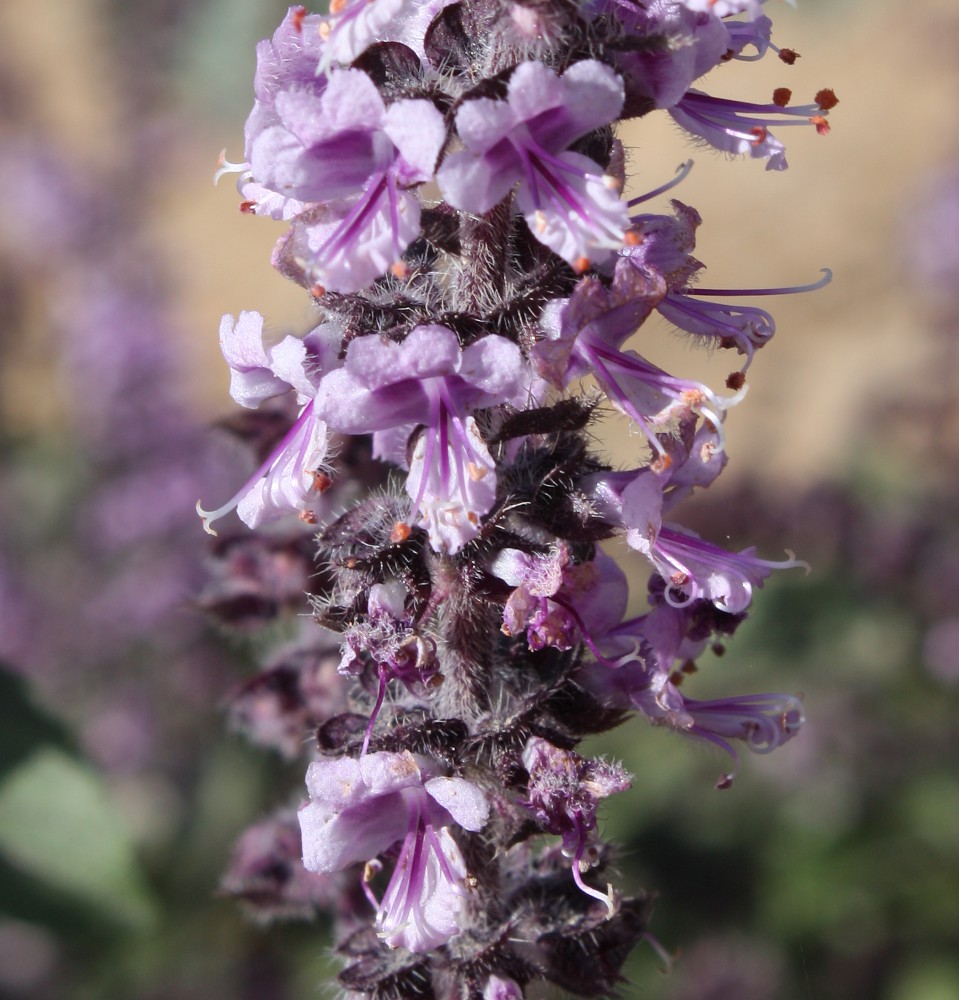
(452,190)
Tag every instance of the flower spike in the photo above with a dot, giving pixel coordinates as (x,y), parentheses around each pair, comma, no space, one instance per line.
(450,183)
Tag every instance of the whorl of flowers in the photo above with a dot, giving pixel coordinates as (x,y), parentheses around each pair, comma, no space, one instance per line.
(452,189)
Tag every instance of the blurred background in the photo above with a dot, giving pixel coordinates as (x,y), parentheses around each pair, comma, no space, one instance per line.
(829,870)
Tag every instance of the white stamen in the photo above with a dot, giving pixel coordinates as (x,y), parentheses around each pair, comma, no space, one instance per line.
(226,167)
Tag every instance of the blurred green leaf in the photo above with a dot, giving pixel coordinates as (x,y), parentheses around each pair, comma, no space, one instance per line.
(23,726)
(927,977)
(59,826)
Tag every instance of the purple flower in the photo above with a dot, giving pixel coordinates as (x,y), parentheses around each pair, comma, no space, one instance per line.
(664,636)
(285,63)
(536,578)
(762,721)
(746,327)
(452,482)
(323,143)
(755,33)
(389,640)
(642,678)
(388,637)
(671,46)
(429,381)
(348,161)
(297,690)
(287,60)
(563,793)
(499,988)
(691,567)
(693,463)
(664,244)
(325,151)
(291,477)
(361,808)
(693,459)
(593,311)
(586,339)
(724,8)
(742,128)
(252,379)
(267,873)
(566,199)
(556,602)
(354,25)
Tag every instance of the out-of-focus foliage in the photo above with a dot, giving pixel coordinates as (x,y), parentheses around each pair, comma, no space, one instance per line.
(89,859)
